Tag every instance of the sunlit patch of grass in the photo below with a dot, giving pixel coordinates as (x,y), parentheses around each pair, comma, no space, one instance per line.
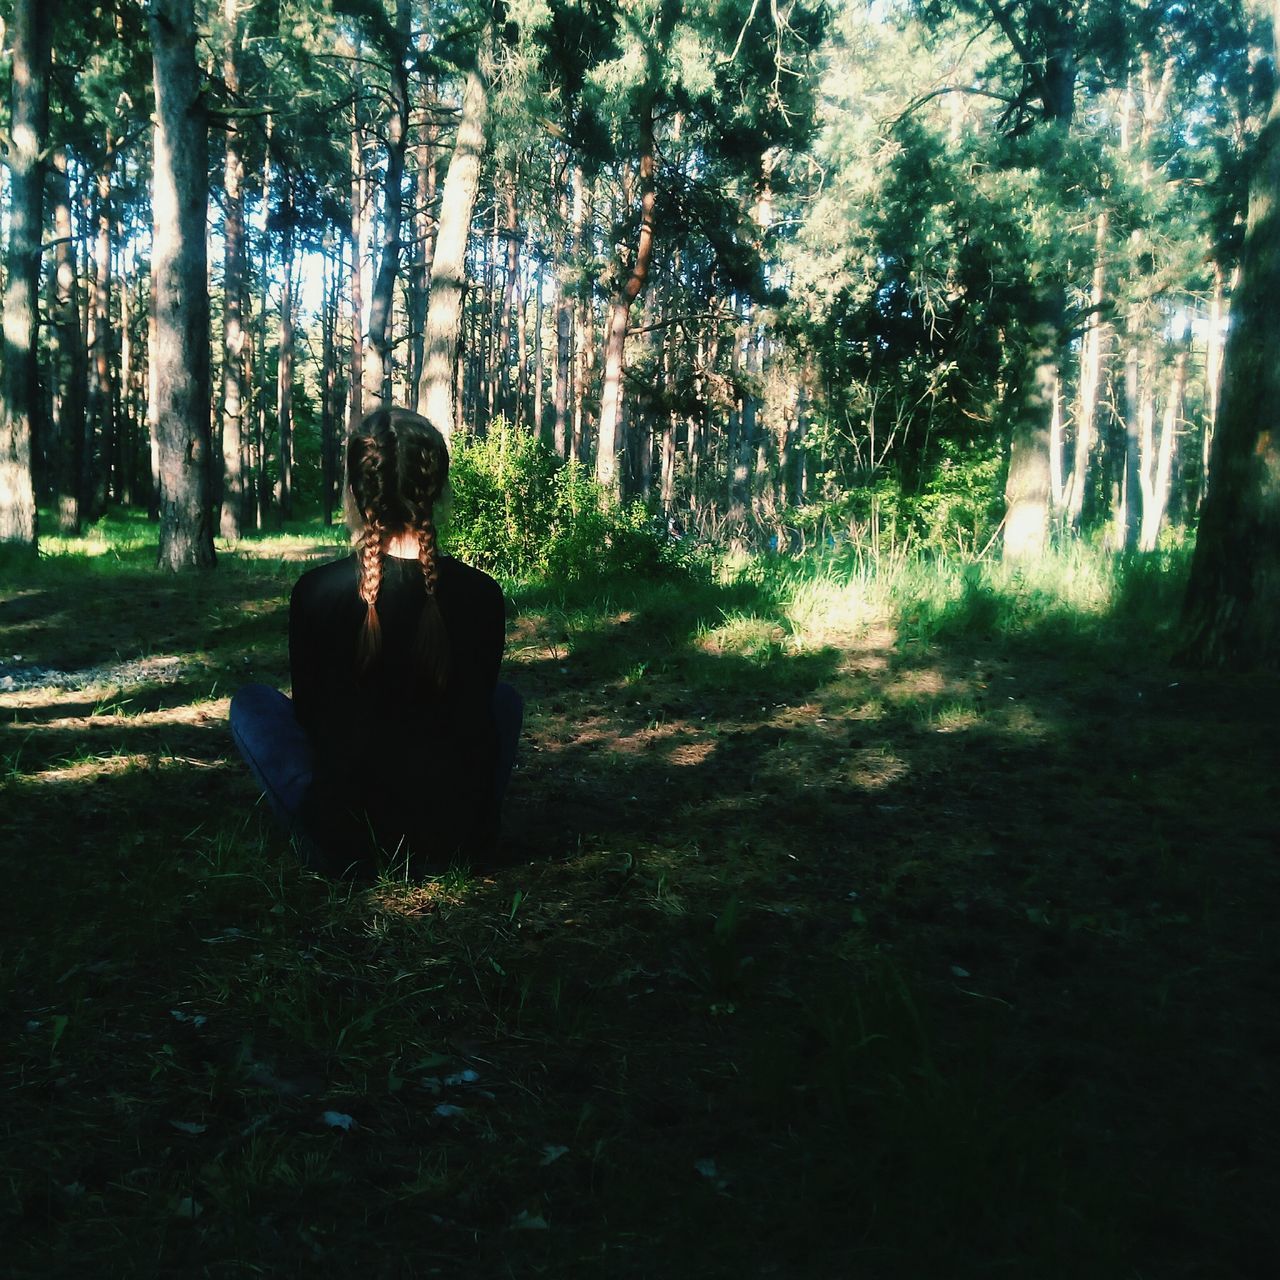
(954,717)
(875,768)
(758,640)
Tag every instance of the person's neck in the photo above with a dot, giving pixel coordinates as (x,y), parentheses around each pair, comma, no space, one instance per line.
(404,546)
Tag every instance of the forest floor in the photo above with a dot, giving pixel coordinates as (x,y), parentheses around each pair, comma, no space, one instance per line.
(817,954)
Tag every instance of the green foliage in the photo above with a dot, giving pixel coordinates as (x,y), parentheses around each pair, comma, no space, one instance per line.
(519,512)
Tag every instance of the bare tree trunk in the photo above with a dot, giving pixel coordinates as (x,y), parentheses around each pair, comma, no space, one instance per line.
(355,381)
(1232,614)
(609,436)
(1027,486)
(1159,470)
(377,371)
(284,358)
(233,342)
(1090,380)
(564,317)
(448,271)
(69,356)
(538,371)
(181,357)
(29,118)
(510,290)
(425,242)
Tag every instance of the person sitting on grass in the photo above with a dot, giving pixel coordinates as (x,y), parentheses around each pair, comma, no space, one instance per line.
(399,740)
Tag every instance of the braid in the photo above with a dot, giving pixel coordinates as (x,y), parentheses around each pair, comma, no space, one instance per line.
(433,639)
(397,467)
(367,462)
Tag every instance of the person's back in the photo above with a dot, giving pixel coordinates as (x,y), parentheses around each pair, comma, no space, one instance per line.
(399,741)
(372,730)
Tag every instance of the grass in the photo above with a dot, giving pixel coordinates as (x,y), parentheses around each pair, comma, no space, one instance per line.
(883,923)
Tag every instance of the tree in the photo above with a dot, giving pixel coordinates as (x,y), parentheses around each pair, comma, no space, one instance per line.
(32,22)
(180,357)
(448,268)
(1232,610)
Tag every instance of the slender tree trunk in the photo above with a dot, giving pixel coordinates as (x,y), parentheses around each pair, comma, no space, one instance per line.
(70,356)
(539,379)
(355,381)
(1232,614)
(564,316)
(284,358)
(101,401)
(1159,478)
(233,336)
(448,271)
(1027,486)
(30,43)
(1091,349)
(378,365)
(425,241)
(510,233)
(609,436)
(181,355)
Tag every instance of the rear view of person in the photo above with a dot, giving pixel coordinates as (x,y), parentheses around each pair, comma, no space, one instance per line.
(399,740)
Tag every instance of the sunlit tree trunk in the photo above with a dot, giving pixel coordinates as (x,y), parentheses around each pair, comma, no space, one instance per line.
(1091,345)
(233,337)
(284,360)
(377,370)
(1232,614)
(1158,474)
(564,318)
(1027,487)
(355,380)
(28,126)
(609,434)
(448,270)
(425,242)
(181,353)
(69,361)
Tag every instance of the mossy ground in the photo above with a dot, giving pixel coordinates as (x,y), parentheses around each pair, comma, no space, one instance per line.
(905,943)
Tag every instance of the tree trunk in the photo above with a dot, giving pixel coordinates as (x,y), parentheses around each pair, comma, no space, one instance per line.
(377,371)
(1090,380)
(284,358)
(69,357)
(510,290)
(32,23)
(181,356)
(425,246)
(564,322)
(1232,614)
(448,271)
(1027,486)
(356,379)
(233,338)
(609,435)
(1159,472)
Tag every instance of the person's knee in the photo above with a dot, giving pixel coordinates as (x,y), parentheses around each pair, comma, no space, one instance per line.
(508,705)
(253,700)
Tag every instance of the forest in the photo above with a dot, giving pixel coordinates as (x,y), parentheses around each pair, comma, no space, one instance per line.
(869,409)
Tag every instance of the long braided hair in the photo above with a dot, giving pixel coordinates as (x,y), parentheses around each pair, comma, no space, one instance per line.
(397,469)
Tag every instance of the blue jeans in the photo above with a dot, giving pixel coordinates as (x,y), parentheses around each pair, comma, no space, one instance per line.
(279,754)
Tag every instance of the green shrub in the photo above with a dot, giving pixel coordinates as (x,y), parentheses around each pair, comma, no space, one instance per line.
(520,512)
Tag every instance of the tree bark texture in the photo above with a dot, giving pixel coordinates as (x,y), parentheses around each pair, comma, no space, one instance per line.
(233,264)
(377,370)
(180,356)
(32,22)
(448,271)
(1232,613)
(1027,486)
(609,435)
(70,357)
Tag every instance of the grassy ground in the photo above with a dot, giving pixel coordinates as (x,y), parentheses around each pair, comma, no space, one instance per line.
(900,926)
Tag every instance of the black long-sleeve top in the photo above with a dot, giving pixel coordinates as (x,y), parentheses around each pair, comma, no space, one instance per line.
(398,765)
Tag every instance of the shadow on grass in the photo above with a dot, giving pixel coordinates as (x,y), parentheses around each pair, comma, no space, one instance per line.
(806,966)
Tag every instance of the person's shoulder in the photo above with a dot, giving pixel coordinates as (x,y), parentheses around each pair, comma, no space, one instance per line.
(325,582)
(466,578)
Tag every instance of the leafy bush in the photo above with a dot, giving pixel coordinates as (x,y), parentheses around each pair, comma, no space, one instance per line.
(518,511)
